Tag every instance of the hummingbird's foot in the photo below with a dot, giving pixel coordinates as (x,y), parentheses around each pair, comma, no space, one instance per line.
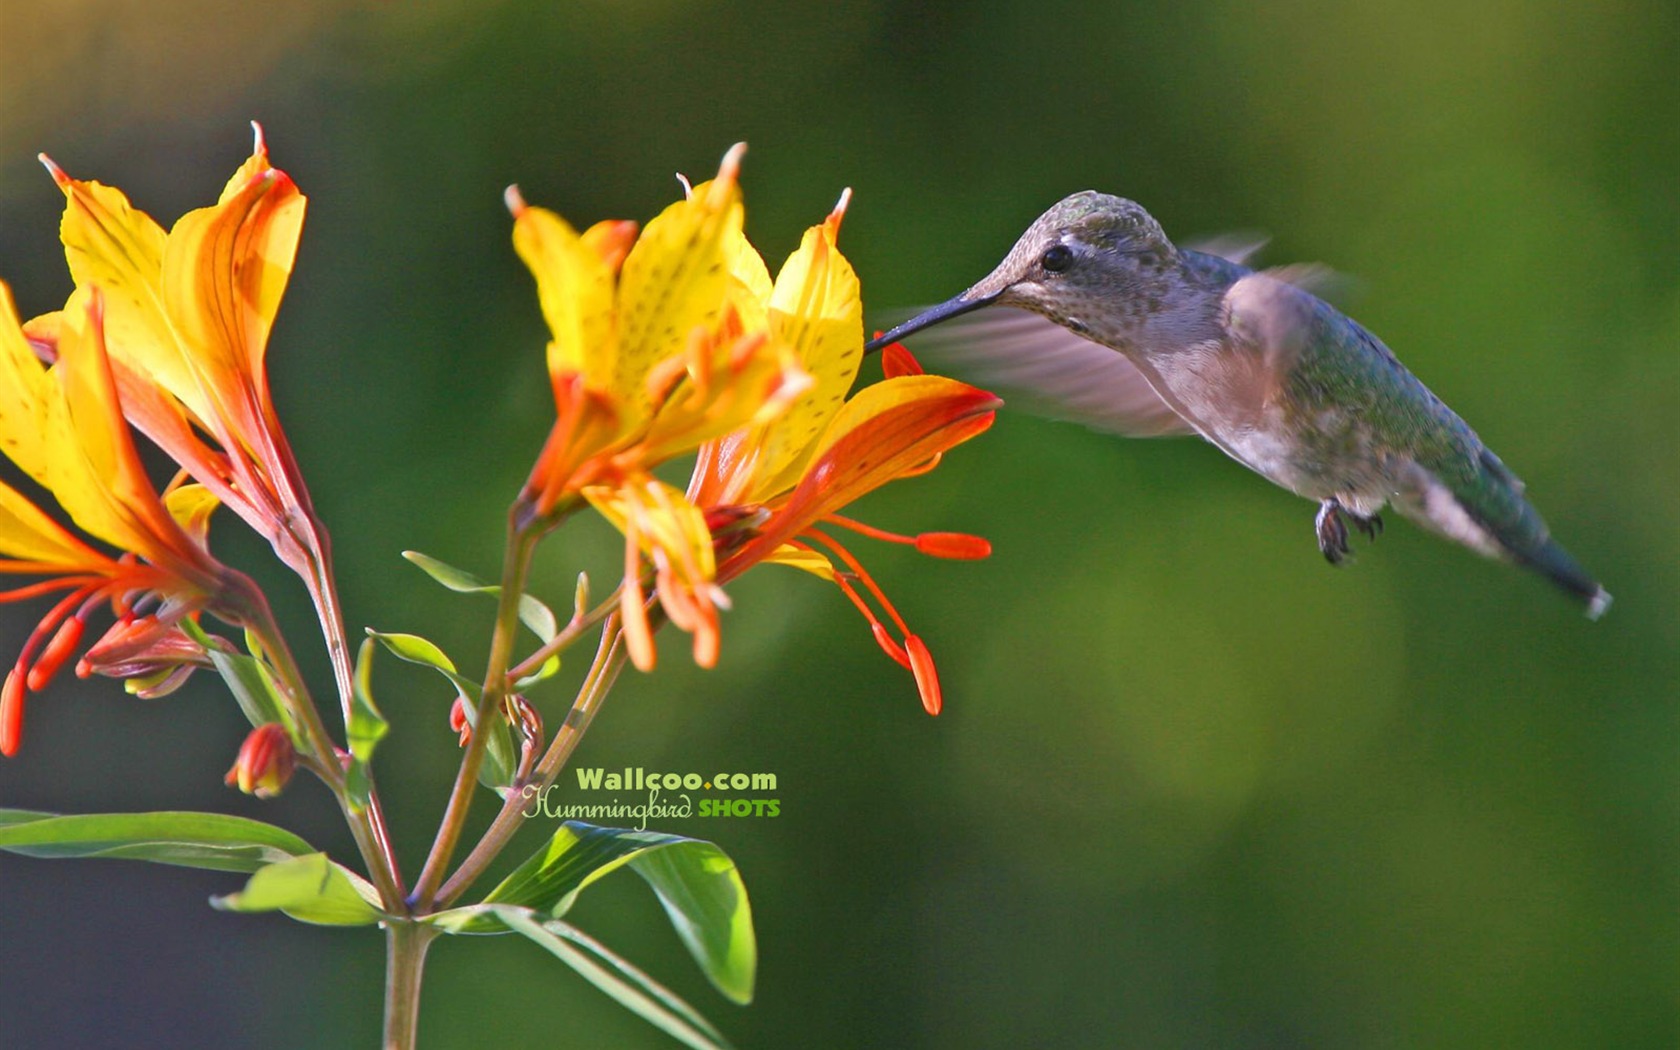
(1372,526)
(1332,529)
(1332,532)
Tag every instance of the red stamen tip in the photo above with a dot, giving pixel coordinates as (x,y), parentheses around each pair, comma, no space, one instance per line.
(897,361)
(11,713)
(52,658)
(927,676)
(958,545)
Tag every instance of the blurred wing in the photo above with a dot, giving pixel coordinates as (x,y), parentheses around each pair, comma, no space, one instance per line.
(1238,246)
(1040,367)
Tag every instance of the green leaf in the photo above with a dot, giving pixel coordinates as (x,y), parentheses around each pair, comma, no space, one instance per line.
(249,679)
(366,729)
(499,758)
(695,880)
(311,889)
(193,840)
(532,613)
(633,989)
(422,651)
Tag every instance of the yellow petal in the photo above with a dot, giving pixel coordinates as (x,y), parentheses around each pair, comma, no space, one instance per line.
(575,288)
(806,560)
(110,244)
(191,507)
(94,470)
(665,519)
(27,534)
(817,309)
(675,280)
(23,385)
(749,282)
(84,429)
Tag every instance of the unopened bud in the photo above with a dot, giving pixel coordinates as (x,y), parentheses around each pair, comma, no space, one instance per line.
(460,720)
(265,763)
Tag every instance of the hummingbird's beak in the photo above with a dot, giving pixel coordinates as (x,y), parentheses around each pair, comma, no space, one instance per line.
(962,304)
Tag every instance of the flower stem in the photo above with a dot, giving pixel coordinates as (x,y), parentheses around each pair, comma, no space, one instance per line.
(609,660)
(569,634)
(521,542)
(405,959)
(367,826)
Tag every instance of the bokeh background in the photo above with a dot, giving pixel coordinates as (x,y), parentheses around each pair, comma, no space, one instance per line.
(1191,788)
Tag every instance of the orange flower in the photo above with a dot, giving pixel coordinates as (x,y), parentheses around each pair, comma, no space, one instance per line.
(893,429)
(758,492)
(187,318)
(63,426)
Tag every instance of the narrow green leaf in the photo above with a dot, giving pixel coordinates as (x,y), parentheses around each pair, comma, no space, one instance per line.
(193,840)
(366,729)
(418,650)
(311,889)
(532,613)
(248,678)
(695,880)
(629,986)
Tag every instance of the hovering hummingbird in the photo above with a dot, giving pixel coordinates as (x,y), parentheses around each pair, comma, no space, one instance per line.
(1130,334)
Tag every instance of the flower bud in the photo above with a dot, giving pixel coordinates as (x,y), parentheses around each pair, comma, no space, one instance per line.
(265,763)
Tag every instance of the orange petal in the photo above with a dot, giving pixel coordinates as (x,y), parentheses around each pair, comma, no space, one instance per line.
(225,270)
(887,430)
(897,361)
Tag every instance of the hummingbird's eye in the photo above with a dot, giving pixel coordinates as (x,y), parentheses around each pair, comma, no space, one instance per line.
(1057,258)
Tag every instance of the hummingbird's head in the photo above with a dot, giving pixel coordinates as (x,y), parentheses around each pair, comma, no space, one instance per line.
(1093,263)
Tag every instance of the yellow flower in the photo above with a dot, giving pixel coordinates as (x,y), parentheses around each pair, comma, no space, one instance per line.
(187,318)
(63,426)
(649,360)
(758,492)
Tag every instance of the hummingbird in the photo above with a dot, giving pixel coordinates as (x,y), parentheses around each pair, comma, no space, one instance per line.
(1116,327)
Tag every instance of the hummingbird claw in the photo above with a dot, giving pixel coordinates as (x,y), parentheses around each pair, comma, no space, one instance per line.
(1331,524)
(1332,532)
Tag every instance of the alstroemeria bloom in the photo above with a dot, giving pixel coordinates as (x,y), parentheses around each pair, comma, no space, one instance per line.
(654,350)
(187,318)
(63,426)
(758,493)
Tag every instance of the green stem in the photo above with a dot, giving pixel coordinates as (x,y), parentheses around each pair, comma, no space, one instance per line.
(579,626)
(365,827)
(405,961)
(521,542)
(610,656)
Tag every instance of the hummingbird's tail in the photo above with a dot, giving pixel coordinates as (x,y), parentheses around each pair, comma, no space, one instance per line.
(1557,565)
(1502,522)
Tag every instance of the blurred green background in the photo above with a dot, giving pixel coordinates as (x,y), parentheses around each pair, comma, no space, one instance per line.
(1191,787)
